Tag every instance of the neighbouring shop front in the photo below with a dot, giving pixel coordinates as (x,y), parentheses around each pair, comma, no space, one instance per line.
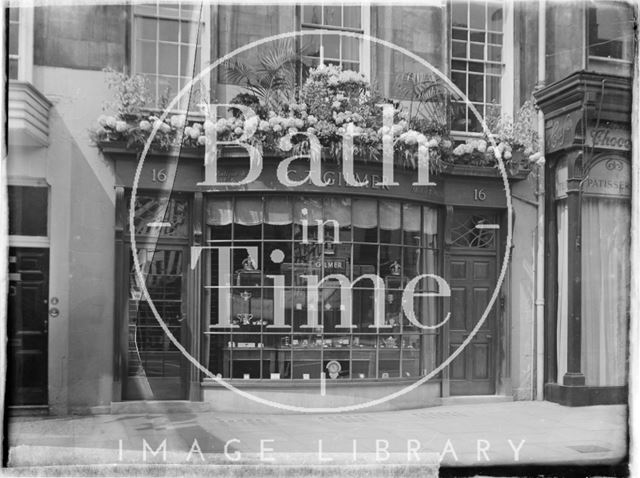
(588,143)
(229,272)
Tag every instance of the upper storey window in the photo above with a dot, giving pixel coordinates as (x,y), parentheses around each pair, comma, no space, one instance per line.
(335,49)
(610,30)
(168,47)
(20,43)
(477,63)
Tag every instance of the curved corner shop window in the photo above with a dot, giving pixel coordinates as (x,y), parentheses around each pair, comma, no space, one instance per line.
(391,239)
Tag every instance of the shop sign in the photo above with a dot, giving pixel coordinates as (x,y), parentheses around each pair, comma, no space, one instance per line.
(609,137)
(609,177)
(560,132)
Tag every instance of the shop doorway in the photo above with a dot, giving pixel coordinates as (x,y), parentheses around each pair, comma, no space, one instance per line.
(471,268)
(27,326)
(155,368)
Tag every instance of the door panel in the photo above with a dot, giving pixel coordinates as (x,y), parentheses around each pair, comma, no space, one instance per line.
(472,279)
(27,326)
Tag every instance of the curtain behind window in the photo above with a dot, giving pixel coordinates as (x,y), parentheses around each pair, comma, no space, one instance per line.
(562,219)
(605,290)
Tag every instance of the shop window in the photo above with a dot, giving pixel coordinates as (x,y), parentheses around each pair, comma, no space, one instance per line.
(610,30)
(393,240)
(477,60)
(349,53)
(170,45)
(28,210)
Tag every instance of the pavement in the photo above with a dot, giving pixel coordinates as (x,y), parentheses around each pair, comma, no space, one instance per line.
(399,443)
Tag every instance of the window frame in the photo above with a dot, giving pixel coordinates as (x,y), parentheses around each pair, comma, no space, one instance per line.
(365,22)
(25,44)
(205,47)
(507,87)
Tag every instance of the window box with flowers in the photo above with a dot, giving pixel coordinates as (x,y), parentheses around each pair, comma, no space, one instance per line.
(331,104)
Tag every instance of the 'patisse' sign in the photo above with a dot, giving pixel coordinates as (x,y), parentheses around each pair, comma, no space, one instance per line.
(609,137)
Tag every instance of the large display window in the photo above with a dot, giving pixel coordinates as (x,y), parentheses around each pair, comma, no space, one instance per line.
(263,251)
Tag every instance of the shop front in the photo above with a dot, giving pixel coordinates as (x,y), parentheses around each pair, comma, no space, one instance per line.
(309,296)
(589,209)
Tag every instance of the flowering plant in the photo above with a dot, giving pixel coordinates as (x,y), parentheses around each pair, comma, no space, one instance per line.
(338,107)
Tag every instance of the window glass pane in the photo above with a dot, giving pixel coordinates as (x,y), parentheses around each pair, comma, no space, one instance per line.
(459,79)
(493,89)
(13,68)
(476,51)
(459,13)
(146,28)
(350,49)
(14,14)
(351,16)
(310,45)
(27,210)
(610,30)
(459,34)
(145,57)
(476,66)
(459,49)
(459,65)
(14,29)
(495,38)
(476,14)
(168,59)
(494,16)
(312,14)
(494,53)
(476,88)
(168,30)
(186,60)
(351,66)
(188,32)
(477,36)
(331,45)
(333,15)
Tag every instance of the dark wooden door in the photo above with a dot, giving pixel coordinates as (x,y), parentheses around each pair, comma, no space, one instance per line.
(472,279)
(27,326)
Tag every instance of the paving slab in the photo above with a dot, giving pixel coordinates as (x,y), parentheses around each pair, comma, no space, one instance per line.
(411,441)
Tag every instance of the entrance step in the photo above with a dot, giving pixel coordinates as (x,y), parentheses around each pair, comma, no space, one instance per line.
(159,406)
(476,399)
(27,410)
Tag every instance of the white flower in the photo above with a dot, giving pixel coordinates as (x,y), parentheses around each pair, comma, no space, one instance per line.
(263,125)
(507,154)
(292,131)
(121,126)
(110,121)
(145,125)
(432,143)
(102,120)
(298,123)
(165,128)
(311,130)
(251,126)
(481,145)
(202,140)
(209,126)
(195,133)
(277,128)
(285,143)
(238,130)
(178,121)
(336,104)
